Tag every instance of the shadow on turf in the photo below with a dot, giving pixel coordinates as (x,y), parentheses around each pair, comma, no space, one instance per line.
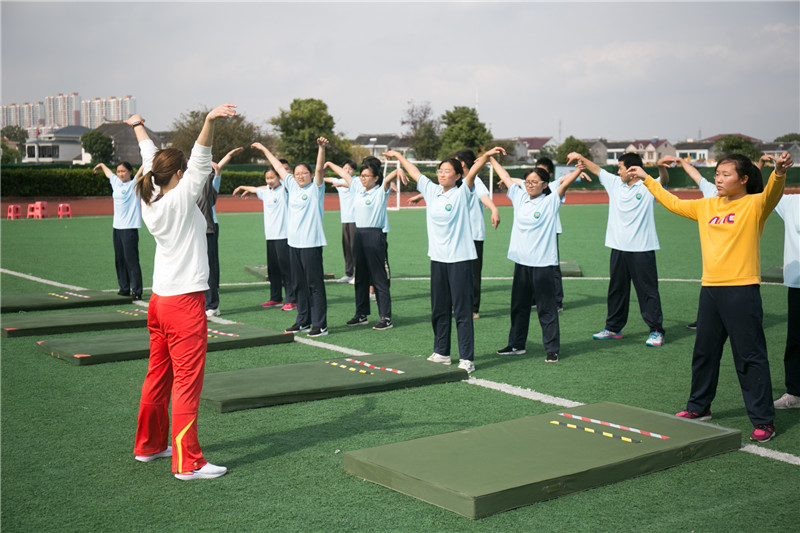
(337,429)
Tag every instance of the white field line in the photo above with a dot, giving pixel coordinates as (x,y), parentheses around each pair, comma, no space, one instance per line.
(501,387)
(40,280)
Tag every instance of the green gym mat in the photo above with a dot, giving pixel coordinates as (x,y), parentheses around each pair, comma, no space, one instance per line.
(773,275)
(490,469)
(260,271)
(13,303)
(136,344)
(317,380)
(25,325)
(570,269)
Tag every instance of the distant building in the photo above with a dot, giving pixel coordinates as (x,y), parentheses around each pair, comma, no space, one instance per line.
(776,149)
(62,110)
(534,145)
(126,147)
(61,146)
(379,143)
(97,111)
(695,152)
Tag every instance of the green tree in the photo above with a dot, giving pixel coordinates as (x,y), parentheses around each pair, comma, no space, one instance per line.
(789,137)
(10,156)
(733,144)
(571,144)
(99,145)
(230,133)
(299,127)
(424,130)
(463,130)
(16,134)
(550,151)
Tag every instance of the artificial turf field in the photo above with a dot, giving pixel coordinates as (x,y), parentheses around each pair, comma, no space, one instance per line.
(67,430)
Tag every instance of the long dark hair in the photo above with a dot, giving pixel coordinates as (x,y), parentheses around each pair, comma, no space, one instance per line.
(543,175)
(165,164)
(745,168)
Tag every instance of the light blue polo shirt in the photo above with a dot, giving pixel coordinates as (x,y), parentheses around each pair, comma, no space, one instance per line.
(447,215)
(216,182)
(127,205)
(708,189)
(631,226)
(369,206)
(476,219)
(275,209)
(533,234)
(346,200)
(306,206)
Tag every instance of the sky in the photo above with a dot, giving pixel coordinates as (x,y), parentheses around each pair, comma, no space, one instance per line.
(622,70)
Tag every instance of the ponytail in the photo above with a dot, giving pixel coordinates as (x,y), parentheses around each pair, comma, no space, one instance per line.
(166,163)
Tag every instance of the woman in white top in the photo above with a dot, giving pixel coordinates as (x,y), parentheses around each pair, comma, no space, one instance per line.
(176,316)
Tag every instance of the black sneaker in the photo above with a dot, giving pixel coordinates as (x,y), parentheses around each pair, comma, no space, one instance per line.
(383,323)
(552,357)
(317,332)
(124,293)
(510,350)
(297,328)
(136,298)
(693,325)
(358,320)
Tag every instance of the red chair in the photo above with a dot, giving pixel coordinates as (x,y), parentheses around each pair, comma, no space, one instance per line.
(32,211)
(14,212)
(42,208)
(64,211)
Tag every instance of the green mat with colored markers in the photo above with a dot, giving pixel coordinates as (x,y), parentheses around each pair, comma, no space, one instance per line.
(51,324)
(317,380)
(13,303)
(136,344)
(485,470)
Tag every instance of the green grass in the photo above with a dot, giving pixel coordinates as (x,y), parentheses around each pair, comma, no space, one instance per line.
(67,431)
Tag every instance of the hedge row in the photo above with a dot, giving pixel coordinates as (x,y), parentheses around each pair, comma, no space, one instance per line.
(26,181)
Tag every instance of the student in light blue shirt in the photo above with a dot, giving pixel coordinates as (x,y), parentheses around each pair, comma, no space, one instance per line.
(452,250)
(126,224)
(305,235)
(534,250)
(348,219)
(275,204)
(631,235)
(369,194)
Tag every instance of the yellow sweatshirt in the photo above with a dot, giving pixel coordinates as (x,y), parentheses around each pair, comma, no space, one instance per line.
(730,230)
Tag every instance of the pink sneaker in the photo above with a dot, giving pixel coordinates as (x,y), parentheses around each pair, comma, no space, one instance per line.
(271,303)
(289,307)
(763,432)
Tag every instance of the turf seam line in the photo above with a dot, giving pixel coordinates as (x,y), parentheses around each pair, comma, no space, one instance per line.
(41,280)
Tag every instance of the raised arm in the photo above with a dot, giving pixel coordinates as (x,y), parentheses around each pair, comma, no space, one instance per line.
(206,137)
(765,160)
(502,174)
(105,169)
(137,123)
(319,170)
(245,190)
(396,173)
(227,158)
(412,171)
(590,165)
(684,208)
(469,179)
(339,172)
(274,161)
(569,179)
(663,165)
(687,167)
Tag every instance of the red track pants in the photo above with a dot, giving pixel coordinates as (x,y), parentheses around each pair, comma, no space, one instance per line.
(178,338)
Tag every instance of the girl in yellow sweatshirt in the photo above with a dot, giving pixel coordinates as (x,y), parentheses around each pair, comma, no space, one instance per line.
(730,227)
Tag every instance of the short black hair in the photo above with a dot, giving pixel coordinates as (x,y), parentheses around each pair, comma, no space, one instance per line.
(631,159)
(547,163)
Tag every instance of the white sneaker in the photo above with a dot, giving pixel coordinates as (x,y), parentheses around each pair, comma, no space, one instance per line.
(441,359)
(787,401)
(212,312)
(344,279)
(467,365)
(208,471)
(154,456)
